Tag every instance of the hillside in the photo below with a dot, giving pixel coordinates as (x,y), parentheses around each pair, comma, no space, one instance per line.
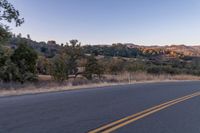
(50,49)
(170,49)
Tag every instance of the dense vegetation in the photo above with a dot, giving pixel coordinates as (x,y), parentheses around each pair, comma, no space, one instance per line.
(22,59)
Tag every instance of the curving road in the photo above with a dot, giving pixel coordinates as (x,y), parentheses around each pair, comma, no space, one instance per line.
(82,111)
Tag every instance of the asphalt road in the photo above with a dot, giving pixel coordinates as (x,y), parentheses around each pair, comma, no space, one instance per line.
(81,111)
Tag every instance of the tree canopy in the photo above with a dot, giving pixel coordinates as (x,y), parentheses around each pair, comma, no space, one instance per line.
(9,13)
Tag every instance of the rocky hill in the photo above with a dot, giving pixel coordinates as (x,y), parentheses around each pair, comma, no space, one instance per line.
(170,49)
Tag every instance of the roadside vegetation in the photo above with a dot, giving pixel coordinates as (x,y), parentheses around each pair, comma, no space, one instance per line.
(24,61)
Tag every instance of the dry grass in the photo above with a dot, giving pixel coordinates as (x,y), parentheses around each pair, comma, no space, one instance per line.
(142,76)
(46,83)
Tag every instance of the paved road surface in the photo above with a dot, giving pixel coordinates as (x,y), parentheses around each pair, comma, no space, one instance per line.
(81,111)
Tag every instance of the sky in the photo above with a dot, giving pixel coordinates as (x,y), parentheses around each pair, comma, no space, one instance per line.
(144,22)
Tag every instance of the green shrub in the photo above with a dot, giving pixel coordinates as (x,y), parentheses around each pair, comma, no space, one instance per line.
(59,68)
(25,58)
(93,67)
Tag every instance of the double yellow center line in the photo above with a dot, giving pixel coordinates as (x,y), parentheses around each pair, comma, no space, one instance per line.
(132,118)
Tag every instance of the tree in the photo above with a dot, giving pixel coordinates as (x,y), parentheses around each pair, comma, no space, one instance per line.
(59,68)
(28,37)
(8,13)
(8,70)
(25,59)
(74,52)
(93,67)
(19,35)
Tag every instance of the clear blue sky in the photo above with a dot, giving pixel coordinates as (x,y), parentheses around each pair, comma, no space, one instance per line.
(145,22)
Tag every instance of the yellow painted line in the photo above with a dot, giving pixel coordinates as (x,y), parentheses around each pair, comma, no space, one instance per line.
(144,115)
(124,121)
(134,115)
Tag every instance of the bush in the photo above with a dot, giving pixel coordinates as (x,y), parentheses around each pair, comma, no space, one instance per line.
(134,66)
(93,67)
(25,58)
(163,70)
(8,70)
(4,34)
(19,65)
(43,65)
(116,65)
(59,68)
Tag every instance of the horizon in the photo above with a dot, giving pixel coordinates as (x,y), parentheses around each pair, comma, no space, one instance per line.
(95,22)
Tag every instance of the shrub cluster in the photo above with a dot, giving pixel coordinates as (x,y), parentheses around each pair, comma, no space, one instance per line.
(19,64)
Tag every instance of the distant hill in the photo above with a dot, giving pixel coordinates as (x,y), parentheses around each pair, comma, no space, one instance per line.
(49,49)
(171,49)
(185,50)
(129,50)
